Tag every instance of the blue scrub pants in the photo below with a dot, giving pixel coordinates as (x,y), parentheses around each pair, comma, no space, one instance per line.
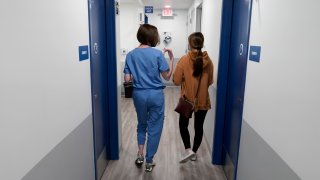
(149,104)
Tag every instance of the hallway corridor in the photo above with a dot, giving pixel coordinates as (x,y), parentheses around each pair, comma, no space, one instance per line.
(168,155)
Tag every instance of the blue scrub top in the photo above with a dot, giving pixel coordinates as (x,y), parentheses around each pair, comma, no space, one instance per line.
(145,65)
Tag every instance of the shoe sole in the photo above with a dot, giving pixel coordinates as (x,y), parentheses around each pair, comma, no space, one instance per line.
(185,159)
(151,168)
(139,164)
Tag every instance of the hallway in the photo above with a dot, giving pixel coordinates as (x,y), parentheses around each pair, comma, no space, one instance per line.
(168,155)
(54,124)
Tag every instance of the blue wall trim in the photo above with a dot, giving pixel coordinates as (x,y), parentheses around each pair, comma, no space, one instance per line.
(226,26)
(112,136)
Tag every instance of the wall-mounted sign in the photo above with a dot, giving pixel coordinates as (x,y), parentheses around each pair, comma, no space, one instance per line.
(83,53)
(148,9)
(167,12)
(255,53)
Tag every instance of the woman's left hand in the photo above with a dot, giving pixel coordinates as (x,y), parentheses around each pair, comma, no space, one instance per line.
(169,53)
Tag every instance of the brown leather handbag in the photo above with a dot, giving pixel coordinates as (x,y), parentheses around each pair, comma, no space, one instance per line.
(185,107)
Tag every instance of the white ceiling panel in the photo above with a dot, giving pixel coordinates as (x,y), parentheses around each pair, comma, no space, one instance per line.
(175,4)
(129,1)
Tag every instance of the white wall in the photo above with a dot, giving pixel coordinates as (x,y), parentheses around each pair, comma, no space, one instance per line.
(129,22)
(176,26)
(282,91)
(211,23)
(129,25)
(45,90)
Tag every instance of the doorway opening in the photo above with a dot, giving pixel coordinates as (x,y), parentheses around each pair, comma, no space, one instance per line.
(190,23)
(198,18)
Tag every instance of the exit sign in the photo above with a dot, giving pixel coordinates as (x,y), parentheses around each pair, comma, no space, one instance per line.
(167,12)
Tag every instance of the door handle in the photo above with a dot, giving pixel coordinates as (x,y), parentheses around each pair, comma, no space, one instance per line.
(95,48)
(241,49)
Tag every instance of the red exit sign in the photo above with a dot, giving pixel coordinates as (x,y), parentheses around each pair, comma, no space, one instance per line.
(167,12)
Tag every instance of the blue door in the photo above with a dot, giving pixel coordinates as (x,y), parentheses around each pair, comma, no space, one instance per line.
(98,82)
(236,78)
(112,95)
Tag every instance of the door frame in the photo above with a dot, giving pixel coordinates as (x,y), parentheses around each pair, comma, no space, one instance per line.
(222,87)
(111,112)
(222,81)
(112,83)
(100,160)
(225,36)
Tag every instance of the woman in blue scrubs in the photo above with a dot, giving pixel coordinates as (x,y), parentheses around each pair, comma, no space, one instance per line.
(143,67)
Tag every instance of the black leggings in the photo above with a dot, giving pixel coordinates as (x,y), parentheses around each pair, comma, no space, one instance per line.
(199,117)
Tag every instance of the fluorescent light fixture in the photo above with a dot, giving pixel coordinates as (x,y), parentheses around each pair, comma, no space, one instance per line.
(167,6)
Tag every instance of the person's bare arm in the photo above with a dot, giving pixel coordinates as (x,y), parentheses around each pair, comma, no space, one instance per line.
(167,74)
(127,78)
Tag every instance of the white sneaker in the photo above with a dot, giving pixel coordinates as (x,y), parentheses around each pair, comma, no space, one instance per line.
(186,156)
(193,157)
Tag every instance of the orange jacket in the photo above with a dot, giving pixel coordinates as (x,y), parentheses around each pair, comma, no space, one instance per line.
(189,84)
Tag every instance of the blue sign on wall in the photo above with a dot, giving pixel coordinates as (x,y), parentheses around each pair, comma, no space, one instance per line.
(148,9)
(83,53)
(255,53)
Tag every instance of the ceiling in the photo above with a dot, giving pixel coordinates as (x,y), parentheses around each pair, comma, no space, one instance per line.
(159,4)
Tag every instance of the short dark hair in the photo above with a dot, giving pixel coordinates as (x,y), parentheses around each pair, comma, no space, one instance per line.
(148,34)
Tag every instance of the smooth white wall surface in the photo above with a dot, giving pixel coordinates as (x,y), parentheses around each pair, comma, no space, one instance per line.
(211,24)
(282,91)
(129,25)
(176,26)
(45,90)
(129,22)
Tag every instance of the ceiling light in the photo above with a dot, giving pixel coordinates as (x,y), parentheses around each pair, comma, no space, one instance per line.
(167,6)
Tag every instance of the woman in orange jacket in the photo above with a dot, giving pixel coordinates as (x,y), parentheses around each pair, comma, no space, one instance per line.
(193,68)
